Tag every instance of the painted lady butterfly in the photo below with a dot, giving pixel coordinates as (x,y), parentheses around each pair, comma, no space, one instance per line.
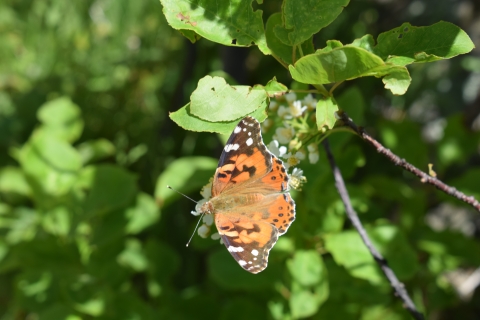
(250,199)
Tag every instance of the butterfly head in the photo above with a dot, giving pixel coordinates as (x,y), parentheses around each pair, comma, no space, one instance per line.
(206,208)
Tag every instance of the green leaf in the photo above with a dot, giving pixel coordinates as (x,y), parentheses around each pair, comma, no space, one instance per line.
(94,150)
(407,44)
(346,63)
(23,227)
(348,250)
(232,23)
(112,188)
(185,175)
(133,256)
(302,19)
(57,221)
(306,267)
(275,88)
(186,120)
(13,182)
(352,101)
(326,110)
(190,35)
(214,100)
(61,118)
(303,303)
(50,164)
(142,215)
(280,50)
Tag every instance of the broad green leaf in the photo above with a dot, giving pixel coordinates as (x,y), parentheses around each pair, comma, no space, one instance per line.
(226,272)
(186,120)
(185,175)
(133,256)
(281,51)
(94,150)
(51,164)
(61,118)
(407,44)
(348,250)
(215,100)
(275,88)
(346,63)
(112,188)
(231,23)
(307,268)
(12,181)
(142,215)
(93,307)
(326,110)
(304,18)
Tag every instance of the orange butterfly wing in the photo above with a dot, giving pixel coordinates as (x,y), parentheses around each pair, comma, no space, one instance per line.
(250,197)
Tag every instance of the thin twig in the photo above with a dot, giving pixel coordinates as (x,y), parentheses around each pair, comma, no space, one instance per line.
(424,177)
(352,215)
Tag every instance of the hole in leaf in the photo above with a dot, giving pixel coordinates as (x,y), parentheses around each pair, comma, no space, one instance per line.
(400,36)
(213,89)
(234,41)
(405,30)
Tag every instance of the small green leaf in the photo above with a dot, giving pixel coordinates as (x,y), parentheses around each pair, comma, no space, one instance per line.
(51,164)
(57,221)
(307,267)
(326,110)
(94,150)
(231,23)
(23,227)
(214,100)
(142,215)
(190,35)
(303,303)
(12,181)
(185,175)
(132,256)
(407,44)
(275,88)
(304,18)
(186,120)
(62,118)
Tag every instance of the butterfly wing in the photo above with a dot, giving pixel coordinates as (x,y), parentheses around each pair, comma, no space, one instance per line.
(244,158)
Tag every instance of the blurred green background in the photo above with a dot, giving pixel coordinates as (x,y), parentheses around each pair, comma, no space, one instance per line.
(88,229)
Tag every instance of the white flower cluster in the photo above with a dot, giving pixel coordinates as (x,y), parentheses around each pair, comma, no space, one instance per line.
(204,229)
(294,108)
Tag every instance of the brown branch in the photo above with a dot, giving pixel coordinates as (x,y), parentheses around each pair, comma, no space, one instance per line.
(352,215)
(424,177)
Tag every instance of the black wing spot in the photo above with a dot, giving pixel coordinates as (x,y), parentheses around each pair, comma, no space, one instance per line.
(280,208)
(251,170)
(284,221)
(291,218)
(221,175)
(292,211)
(283,169)
(274,178)
(275,220)
(225,228)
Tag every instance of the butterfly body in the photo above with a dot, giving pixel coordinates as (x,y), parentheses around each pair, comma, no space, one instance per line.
(250,199)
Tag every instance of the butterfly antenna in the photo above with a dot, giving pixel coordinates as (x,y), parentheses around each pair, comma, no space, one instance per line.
(181,194)
(198,223)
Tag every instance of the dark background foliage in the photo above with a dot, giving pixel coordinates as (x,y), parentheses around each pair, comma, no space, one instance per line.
(82,235)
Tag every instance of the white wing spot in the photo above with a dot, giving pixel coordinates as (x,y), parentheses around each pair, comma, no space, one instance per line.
(255,252)
(244,129)
(249,262)
(242,262)
(235,249)
(254,258)
(237,129)
(230,147)
(249,141)
(249,134)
